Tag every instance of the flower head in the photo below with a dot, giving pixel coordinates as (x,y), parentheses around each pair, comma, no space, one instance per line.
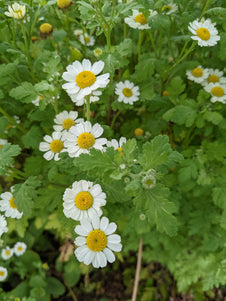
(65,120)
(169,8)
(197,75)
(8,206)
(97,241)
(3,225)
(62,4)
(82,137)
(46,28)
(127,92)
(87,40)
(204,32)
(117,145)
(138,20)
(3,273)
(217,91)
(139,132)
(53,146)
(214,76)
(6,253)
(19,248)
(77,32)
(16,11)
(83,200)
(149,180)
(83,78)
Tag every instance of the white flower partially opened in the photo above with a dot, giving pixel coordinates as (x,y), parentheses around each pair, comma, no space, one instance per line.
(3,273)
(138,20)
(97,241)
(16,11)
(84,200)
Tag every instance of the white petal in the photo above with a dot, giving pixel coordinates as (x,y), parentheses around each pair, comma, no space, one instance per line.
(109,254)
(111,229)
(81,231)
(115,247)
(104,223)
(80,241)
(49,155)
(96,222)
(97,67)
(114,239)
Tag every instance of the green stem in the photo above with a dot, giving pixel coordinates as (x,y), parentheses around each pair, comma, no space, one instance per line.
(114,119)
(160,43)
(204,9)
(55,105)
(11,120)
(153,43)
(139,44)
(27,48)
(13,32)
(35,20)
(87,108)
(125,31)
(183,49)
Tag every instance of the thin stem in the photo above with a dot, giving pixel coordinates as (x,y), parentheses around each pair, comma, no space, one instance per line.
(125,31)
(114,119)
(139,44)
(153,43)
(87,108)
(160,43)
(183,49)
(204,9)
(13,32)
(11,120)
(55,105)
(70,290)
(138,267)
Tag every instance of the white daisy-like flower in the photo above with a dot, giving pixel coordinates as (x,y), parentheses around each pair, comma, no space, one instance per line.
(142,216)
(53,146)
(117,145)
(198,74)
(7,253)
(217,91)
(16,11)
(83,200)
(138,20)
(127,92)
(65,120)
(82,137)
(78,32)
(3,225)
(82,78)
(87,40)
(37,100)
(3,142)
(204,32)
(3,273)
(169,8)
(149,180)
(19,248)
(8,206)
(214,76)
(92,98)
(97,241)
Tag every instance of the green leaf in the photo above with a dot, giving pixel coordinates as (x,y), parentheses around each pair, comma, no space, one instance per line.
(213,117)
(113,61)
(181,115)
(6,70)
(8,151)
(72,271)
(25,93)
(33,137)
(59,35)
(145,68)
(222,47)
(128,149)
(37,281)
(125,48)
(25,194)
(219,197)
(176,87)
(55,287)
(115,192)
(218,11)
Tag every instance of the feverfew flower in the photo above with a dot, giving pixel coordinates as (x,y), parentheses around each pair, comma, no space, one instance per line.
(53,146)
(217,91)
(16,11)
(87,40)
(149,180)
(3,273)
(117,145)
(83,200)
(127,92)
(77,32)
(7,253)
(204,32)
(197,75)
(214,76)
(65,120)
(82,78)
(138,20)
(19,248)
(97,241)
(8,206)
(169,8)
(3,225)
(3,142)
(92,98)
(82,137)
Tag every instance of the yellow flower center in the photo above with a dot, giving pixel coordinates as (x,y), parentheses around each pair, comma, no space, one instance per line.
(68,123)
(1,145)
(56,146)
(7,252)
(63,3)
(46,28)
(87,39)
(12,204)
(149,182)
(83,200)
(2,273)
(139,132)
(127,92)
(197,72)
(165,93)
(203,33)
(217,91)
(213,79)
(120,150)
(167,8)
(19,248)
(85,140)
(96,240)
(41,97)
(85,79)
(140,19)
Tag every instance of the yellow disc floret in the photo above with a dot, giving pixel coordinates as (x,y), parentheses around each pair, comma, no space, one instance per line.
(7,252)
(85,140)
(96,240)
(139,132)
(120,150)
(83,200)
(46,28)
(217,91)
(19,249)
(127,92)
(203,33)
(197,72)
(12,204)
(213,79)
(167,7)
(63,3)
(85,79)
(68,123)
(56,146)
(2,273)
(140,19)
